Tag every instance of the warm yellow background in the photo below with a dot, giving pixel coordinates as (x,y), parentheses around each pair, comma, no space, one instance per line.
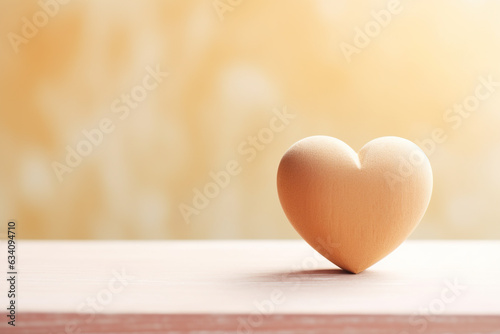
(226,76)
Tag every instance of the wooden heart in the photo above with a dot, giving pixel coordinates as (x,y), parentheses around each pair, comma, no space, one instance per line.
(354,209)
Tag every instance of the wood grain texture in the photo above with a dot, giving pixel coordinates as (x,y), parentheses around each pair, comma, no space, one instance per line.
(365,203)
(253,287)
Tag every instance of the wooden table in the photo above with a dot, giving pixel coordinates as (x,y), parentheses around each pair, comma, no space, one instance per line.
(252,287)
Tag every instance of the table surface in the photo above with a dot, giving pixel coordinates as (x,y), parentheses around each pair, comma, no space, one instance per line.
(252,287)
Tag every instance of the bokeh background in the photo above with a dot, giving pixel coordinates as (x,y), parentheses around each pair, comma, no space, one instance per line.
(230,64)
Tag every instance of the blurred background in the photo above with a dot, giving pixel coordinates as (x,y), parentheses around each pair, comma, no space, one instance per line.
(118,118)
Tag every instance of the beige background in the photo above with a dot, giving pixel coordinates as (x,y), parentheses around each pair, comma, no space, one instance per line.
(225,78)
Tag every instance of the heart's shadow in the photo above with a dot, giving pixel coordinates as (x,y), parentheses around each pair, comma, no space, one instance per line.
(305,276)
(319,272)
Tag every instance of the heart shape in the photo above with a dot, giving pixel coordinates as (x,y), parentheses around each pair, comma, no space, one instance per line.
(354,209)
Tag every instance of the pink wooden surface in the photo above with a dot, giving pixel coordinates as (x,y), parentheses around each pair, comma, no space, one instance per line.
(252,287)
